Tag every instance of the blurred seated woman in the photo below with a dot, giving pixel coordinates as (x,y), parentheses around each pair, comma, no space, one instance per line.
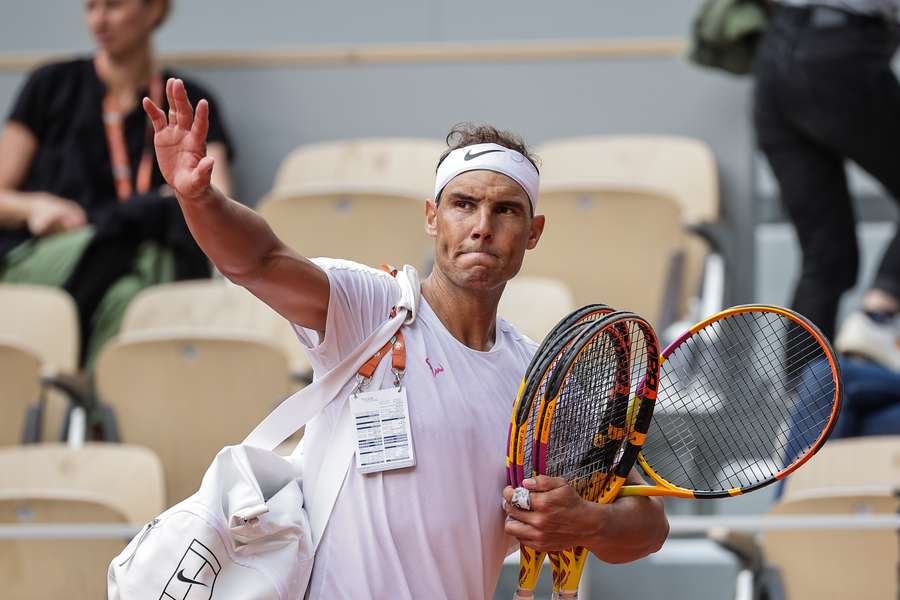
(83,205)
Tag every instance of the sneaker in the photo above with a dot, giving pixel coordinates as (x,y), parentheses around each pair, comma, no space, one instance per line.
(861,336)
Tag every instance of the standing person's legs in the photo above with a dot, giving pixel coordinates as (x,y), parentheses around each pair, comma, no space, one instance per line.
(813,189)
(876,148)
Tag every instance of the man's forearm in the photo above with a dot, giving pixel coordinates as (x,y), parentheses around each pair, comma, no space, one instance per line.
(634,528)
(234,237)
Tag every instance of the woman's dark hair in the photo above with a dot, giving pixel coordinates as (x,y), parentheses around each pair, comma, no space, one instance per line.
(467,134)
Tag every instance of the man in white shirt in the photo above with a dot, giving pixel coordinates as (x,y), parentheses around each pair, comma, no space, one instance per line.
(436,530)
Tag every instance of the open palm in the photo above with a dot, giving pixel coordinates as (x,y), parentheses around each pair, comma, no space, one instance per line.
(180,141)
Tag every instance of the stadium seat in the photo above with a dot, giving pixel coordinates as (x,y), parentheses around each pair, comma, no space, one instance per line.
(851,476)
(839,466)
(681,167)
(186,395)
(836,563)
(214,306)
(389,166)
(361,200)
(20,388)
(52,484)
(611,245)
(44,320)
(535,304)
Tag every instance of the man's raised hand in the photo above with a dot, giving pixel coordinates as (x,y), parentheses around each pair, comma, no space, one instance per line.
(180,141)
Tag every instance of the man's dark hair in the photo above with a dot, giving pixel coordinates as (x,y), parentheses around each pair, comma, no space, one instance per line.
(467,134)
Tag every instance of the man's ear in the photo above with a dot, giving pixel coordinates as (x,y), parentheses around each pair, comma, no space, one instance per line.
(431,217)
(537,228)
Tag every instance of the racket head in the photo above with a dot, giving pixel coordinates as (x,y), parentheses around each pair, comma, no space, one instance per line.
(598,405)
(745,398)
(595,414)
(517,454)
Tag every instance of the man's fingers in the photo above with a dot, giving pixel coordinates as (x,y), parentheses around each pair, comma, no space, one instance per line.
(157,116)
(543,483)
(184,112)
(507,493)
(201,121)
(203,173)
(170,99)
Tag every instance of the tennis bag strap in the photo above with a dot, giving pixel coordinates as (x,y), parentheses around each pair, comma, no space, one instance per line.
(300,408)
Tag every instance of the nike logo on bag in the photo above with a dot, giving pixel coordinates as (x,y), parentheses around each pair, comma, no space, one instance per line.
(470,156)
(181,577)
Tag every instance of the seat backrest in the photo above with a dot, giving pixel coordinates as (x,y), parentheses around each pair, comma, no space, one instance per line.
(390,166)
(535,304)
(836,563)
(44,319)
(186,396)
(96,484)
(212,306)
(682,167)
(368,228)
(126,480)
(20,386)
(615,246)
(840,465)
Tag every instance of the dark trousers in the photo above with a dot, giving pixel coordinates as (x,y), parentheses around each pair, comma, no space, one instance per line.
(825,94)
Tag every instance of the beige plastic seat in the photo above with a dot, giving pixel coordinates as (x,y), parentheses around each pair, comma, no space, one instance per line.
(387,166)
(858,464)
(186,395)
(369,228)
(213,306)
(614,246)
(362,200)
(20,387)
(54,484)
(44,320)
(681,167)
(852,476)
(843,563)
(535,304)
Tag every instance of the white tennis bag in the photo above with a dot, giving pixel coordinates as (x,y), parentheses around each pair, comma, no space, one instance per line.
(248,533)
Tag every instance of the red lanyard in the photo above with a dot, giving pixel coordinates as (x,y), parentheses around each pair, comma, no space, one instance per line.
(113,119)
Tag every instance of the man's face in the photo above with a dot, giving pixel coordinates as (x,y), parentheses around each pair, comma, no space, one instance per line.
(482,227)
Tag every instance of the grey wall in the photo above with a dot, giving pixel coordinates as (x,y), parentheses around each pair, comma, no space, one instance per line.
(272,110)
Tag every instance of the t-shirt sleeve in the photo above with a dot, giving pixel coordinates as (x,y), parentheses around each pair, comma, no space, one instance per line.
(31,105)
(360,300)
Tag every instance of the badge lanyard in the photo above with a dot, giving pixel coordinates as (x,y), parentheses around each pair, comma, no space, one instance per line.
(381,417)
(113,122)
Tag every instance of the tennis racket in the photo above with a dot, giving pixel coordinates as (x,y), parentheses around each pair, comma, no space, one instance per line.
(519,457)
(745,398)
(594,417)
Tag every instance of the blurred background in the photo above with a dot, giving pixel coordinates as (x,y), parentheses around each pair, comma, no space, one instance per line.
(337,111)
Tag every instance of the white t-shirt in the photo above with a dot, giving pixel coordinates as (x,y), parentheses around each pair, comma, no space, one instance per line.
(434,530)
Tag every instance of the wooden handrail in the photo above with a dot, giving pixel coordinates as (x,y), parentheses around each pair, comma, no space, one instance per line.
(412,53)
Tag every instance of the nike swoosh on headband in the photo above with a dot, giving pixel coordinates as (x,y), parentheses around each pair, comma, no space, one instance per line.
(181,577)
(470,156)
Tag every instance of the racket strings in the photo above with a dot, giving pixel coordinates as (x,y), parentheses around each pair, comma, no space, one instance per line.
(593,417)
(730,393)
(578,437)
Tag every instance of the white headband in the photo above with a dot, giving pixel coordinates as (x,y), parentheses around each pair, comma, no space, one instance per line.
(490,157)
